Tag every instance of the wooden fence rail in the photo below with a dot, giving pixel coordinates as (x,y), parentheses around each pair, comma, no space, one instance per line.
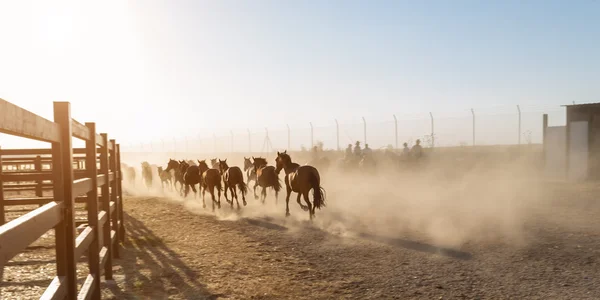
(100,234)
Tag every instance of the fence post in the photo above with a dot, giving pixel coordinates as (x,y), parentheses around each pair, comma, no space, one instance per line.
(432,131)
(365,129)
(121,232)
(396,130)
(519,110)
(91,158)
(473,113)
(2,213)
(65,231)
(105,202)
(114,191)
(312,138)
(337,134)
(37,164)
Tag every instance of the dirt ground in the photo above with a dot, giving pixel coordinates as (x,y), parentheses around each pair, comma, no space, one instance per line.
(177,250)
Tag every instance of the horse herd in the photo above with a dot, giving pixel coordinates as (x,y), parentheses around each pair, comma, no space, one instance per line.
(221,177)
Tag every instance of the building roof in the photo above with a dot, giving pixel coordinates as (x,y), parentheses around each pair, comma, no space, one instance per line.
(596,104)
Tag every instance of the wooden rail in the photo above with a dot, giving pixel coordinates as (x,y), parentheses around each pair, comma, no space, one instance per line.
(23,169)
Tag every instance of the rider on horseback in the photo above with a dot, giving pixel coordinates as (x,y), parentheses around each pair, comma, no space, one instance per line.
(417,150)
(349,151)
(357,150)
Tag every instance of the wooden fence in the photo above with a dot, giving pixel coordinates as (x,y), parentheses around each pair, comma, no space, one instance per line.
(60,170)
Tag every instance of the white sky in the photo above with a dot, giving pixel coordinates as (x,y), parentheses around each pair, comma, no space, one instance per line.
(148,70)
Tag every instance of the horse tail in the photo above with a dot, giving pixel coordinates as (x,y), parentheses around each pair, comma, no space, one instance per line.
(277,182)
(318,191)
(243,187)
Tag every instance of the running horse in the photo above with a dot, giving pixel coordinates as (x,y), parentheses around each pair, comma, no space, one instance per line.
(147,174)
(265,177)
(301,179)
(250,171)
(177,174)
(191,177)
(165,177)
(232,177)
(210,179)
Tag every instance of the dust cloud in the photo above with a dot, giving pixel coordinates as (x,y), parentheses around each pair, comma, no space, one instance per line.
(449,199)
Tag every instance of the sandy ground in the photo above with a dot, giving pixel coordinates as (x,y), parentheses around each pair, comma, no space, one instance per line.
(533,241)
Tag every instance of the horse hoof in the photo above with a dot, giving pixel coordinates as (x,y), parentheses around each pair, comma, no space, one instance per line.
(245,203)
(287,214)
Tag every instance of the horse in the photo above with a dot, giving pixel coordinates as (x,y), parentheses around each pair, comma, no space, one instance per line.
(265,177)
(191,177)
(210,178)
(129,173)
(249,169)
(214,163)
(177,173)
(232,177)
(147,174)
(165,177)
(301,179)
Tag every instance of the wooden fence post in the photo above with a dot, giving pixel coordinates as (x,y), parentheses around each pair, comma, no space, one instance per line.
(2,213)
(113,197)
(65,230)
(120,187)
(92,208)
(105,201)
(37,164)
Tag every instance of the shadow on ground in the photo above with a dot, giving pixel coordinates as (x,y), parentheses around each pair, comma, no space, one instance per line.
(419,246)
(150,270)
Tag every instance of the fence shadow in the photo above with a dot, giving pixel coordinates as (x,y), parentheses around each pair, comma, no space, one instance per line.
(153,271)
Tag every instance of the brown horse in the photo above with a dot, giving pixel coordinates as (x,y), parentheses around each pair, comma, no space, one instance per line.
(177,173)
(232,177)
(265,177)
(211,178)
(301,179)
(249,169)
(165,177)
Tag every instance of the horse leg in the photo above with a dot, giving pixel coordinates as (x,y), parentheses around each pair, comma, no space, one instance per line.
(310,209)
(225,193)
(187,190)
(195,192)
(255,185)
(304,207)
(219,187)
(203,188)
(212,195)
(263,194)
(287,201)
(234,194)
(243,194)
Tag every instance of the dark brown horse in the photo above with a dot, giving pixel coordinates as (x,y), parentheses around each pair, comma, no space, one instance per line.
(232,177)
(249,169)
(211,179)
(301,179)
(191,177)
(265,177)
(177,174)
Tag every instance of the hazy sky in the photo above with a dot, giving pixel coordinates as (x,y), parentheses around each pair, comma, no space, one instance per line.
(158,69)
